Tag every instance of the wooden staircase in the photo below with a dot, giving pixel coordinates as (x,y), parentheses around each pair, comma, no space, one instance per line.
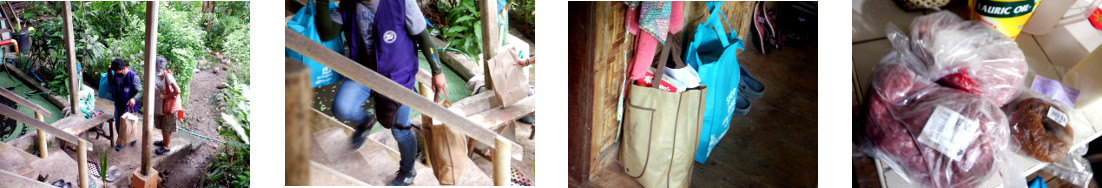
(21,166)
(375,163)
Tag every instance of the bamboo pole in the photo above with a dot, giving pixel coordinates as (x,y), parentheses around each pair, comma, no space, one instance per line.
(150,87)
(502,162)
(42,147)
(74,87)
(489,37)
(82,162)
(297,101)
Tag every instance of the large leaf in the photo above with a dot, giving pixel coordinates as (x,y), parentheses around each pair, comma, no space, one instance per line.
(457,29)
(465,18)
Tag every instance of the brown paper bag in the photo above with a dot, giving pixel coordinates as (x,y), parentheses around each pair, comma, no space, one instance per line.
(129,129)
(509,82)
(447,149)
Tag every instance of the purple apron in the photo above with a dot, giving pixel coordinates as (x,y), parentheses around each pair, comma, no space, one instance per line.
(395,52)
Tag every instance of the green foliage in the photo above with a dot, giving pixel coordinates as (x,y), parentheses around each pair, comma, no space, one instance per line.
(105,30)
(463,31)
(231,166)
(523,9)
(229,34)
(103,167)
(180,41)
(236,47)
(226,18)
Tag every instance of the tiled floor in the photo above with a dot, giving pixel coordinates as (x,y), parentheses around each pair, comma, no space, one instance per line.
(775,144)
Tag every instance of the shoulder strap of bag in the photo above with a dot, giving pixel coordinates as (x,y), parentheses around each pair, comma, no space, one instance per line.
(661,69)
(716,22)
(676,56)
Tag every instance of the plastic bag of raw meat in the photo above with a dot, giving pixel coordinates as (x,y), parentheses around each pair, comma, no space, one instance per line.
(932,135)
(969,55)
(938,136)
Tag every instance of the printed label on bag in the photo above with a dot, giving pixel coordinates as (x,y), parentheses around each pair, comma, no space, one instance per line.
(949,132)
(1057,116)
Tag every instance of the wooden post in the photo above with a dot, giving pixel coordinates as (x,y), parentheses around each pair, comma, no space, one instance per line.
(489,37)
(150,86)
(82,158)
(74,87)
(43,149)
(297,103)
(502,166)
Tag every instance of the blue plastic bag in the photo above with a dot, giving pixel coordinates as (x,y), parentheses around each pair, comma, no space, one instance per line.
(713,54)
(303,23)
(105,86)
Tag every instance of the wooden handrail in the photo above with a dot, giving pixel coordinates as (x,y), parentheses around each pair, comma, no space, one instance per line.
(24,102)
(28,120)
(392,90)
(82,145)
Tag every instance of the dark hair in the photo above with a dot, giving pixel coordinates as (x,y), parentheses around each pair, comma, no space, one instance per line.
(162,63)
(118,64)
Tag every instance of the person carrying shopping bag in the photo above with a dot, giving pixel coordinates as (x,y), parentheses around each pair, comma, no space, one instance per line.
(382,35)
(126,88)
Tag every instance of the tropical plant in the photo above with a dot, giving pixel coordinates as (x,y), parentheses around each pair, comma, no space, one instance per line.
(231,166)
(180,41)
(103,168)
(463,31)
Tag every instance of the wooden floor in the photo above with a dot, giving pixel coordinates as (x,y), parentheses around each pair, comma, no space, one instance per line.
(776,144)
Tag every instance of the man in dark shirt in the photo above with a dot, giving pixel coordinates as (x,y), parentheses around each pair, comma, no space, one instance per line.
(382,35)
(127,88)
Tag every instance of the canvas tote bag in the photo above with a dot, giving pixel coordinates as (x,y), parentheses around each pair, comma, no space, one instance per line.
(660,131)
(713,52)
(447,149)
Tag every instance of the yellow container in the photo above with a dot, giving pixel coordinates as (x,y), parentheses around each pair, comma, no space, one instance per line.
(1006,16)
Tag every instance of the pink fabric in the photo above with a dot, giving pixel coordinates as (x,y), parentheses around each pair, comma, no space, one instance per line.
(676,14)
(633,21)
(644,55)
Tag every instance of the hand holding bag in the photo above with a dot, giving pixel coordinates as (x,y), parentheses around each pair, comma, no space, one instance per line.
(660,131)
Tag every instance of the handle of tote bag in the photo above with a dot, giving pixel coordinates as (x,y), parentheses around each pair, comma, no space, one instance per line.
(661,69)
(714,22)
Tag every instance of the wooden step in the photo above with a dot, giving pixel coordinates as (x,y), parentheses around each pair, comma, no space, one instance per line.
(16,161)
(373,163)
(325,176)
(472,175)
(15,180)
(57,164)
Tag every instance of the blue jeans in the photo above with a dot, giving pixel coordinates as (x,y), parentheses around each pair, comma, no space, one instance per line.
(348,106)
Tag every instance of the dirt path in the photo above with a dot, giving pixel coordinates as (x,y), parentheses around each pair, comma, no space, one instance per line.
(201,119)
(181,167)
